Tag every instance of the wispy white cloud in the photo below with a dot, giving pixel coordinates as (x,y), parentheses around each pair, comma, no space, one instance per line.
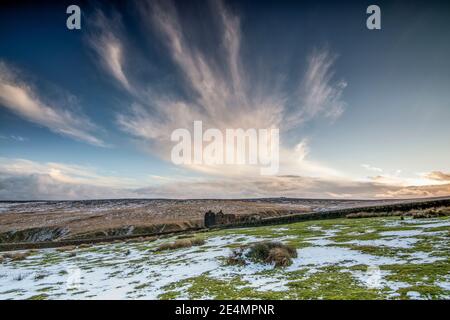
(416,191)
(19,138)
(21,98)
(16,138)
(107,44)
(302,149)
(438,175)
(298,161)
(398,178)
(406,181)
(318,94)
(64,173)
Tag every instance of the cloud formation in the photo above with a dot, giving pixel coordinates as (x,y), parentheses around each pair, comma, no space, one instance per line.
(14,138)
(22,179)
(107,45)
(21,98)
(221,90)
(318,94)
(438,175)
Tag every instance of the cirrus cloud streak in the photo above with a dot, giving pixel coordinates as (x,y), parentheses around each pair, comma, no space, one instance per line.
(24,100)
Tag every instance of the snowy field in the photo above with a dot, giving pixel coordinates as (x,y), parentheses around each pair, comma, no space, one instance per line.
(376,258)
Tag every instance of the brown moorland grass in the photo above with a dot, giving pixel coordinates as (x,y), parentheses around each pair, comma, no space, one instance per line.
(51,221)
(66,248)
(415,214)
(16,256)
(181,243)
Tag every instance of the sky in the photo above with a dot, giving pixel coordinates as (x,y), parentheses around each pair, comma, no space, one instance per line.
(88,113)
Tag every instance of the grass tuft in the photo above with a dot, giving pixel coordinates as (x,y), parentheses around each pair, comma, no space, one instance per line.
(275,253)
(182,243)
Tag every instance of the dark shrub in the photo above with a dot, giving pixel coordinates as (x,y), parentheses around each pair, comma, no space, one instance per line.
(260,251)
(264,252)
(237,257)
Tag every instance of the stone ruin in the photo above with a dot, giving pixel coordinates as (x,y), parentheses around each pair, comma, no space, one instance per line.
(210,219)
(220,218)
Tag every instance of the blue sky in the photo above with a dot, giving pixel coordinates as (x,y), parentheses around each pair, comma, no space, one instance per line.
(88,113)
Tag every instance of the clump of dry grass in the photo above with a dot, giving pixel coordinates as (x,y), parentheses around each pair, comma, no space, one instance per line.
(16,256)
(237,257)
(181,243)
(197,242)
(431,213)
(66,248)
(275,253)
(280,257)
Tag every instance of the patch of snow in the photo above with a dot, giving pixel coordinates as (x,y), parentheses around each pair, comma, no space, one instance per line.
(393,243)
(325,256)
(434,224)
(366,278)
(280,229)
(413,295)
(401,233)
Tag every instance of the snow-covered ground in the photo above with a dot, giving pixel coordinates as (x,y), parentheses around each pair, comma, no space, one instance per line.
(136,271)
